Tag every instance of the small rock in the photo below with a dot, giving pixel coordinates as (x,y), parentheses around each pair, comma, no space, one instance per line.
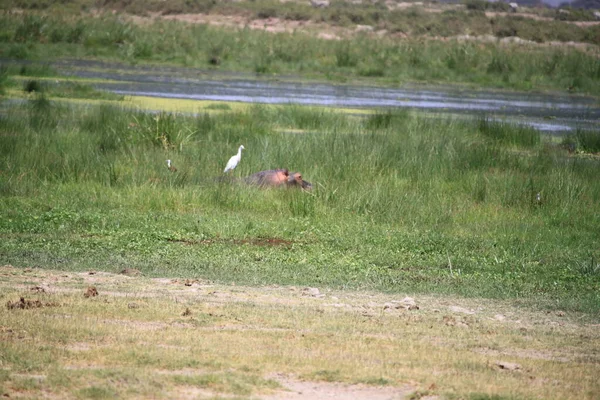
(408,303)
(508,366)
(319,3)
(457,309)
(364,28)
(313,292)
(560,313)
(133,305)
(499,317)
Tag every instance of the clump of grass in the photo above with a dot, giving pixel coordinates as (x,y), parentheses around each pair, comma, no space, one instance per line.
(591,267)
(511,134)
(588,140)
(32,86)
(34,70)
(386,119)
(3,79)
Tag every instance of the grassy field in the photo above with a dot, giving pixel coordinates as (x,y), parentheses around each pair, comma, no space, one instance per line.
(401,202)
(491,227)
(419,57)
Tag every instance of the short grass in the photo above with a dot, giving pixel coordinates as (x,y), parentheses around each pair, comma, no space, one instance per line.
(400,202)
(163,338)
(384,60)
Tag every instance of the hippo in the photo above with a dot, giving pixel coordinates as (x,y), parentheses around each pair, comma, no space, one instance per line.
(278,178)
(295,180)
(269,178)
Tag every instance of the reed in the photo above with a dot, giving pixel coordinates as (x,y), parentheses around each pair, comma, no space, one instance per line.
(395,197)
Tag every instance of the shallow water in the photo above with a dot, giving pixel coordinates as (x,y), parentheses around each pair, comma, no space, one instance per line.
(556,113)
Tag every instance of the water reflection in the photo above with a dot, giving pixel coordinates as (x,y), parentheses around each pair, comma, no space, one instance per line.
(548,112)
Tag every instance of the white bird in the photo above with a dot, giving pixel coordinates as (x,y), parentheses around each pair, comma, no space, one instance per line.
(233,161)
(171,166)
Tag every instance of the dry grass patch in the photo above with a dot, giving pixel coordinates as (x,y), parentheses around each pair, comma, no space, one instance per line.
(275,342)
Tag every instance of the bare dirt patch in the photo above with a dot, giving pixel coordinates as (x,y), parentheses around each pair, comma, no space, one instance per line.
(311,390)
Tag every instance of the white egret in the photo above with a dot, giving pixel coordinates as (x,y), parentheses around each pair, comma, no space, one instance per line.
(171,166)
(233,161)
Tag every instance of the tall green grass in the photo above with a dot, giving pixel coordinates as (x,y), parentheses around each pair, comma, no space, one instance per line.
(400,203)
(48,36)
(589,141)
(510,134)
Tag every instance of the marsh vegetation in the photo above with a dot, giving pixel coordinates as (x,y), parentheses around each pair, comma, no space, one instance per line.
(400,202)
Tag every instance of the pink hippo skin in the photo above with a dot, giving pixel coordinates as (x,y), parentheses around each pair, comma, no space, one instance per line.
(270,178)
(278,178)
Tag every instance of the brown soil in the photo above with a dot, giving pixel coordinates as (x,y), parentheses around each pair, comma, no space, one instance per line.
(309,390)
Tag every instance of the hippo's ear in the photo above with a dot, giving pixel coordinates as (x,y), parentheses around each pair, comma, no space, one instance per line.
(286,172)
